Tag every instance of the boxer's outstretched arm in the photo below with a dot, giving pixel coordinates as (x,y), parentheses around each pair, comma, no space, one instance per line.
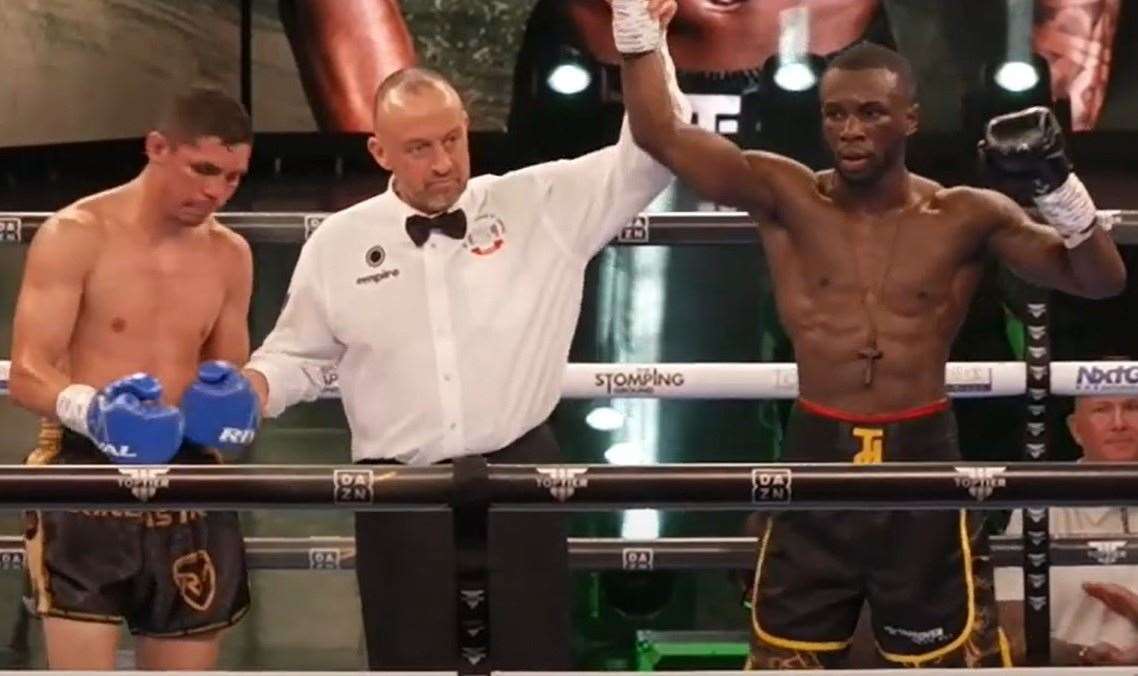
(1036,252)
(229,339)
(712,165)
(59,259)
(344,49)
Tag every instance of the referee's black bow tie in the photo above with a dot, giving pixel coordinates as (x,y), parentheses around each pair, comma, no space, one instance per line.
(452,224)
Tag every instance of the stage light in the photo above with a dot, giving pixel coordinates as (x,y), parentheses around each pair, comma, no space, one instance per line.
(1007,86)
(569,79)
(628,453)
(605,419)
(1017,76)
(795,76)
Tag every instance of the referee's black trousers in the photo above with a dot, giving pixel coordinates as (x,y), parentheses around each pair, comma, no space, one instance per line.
(405,564)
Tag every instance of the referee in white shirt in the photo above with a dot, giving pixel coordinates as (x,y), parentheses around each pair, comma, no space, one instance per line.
(447,308)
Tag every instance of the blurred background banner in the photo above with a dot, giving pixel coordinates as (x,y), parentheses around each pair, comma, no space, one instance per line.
(84,70)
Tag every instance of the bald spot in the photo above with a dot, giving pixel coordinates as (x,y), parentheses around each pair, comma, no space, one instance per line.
(413,93)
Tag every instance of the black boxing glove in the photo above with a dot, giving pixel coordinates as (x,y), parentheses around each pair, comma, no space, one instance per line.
(1023,155)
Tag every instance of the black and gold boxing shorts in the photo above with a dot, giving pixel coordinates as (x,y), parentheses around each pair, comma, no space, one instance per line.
(926,575)
(165,573)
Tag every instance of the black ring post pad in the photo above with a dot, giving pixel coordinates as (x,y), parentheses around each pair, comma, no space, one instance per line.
(471,504)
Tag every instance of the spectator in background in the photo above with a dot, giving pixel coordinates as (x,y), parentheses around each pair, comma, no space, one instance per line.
(1094,610)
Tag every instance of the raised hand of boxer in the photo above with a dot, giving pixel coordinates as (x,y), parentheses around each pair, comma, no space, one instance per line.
(638,25)
(126,420)
(1024,156)
(221,409)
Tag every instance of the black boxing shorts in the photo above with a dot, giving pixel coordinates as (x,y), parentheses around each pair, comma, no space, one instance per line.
(165,573)
(926,575)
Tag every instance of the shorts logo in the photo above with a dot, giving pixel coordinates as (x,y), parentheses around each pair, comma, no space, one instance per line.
(770,485)
(927,637)
(196,579)
(981,482)
(562,482)
(353,485)
(872,441)
(1106,552)
(144,482)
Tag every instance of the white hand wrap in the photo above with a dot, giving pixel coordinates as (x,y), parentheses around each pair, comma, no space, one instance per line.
(633,28)
(1071,211)
(71,407)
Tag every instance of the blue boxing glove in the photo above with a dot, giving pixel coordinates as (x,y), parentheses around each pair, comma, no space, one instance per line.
(126,419)
(221,409)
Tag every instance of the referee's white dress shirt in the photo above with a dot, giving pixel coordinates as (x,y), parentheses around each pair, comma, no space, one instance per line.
(458,347)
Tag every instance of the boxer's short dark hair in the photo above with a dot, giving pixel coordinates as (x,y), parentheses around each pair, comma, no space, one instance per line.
(868,56)
(205,111)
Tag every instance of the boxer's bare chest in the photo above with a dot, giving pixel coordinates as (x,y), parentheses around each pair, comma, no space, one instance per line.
(153,296)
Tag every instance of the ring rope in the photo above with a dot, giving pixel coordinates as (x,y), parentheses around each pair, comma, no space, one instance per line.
(576,487)
(741,380)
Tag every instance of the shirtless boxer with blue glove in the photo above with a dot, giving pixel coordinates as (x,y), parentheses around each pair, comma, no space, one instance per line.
(133,307)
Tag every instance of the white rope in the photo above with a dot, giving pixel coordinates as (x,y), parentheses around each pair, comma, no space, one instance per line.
(758,381)
(735,380)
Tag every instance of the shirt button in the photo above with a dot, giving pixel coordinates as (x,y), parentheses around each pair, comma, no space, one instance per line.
(434,246)
(454,426)
(446,377)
